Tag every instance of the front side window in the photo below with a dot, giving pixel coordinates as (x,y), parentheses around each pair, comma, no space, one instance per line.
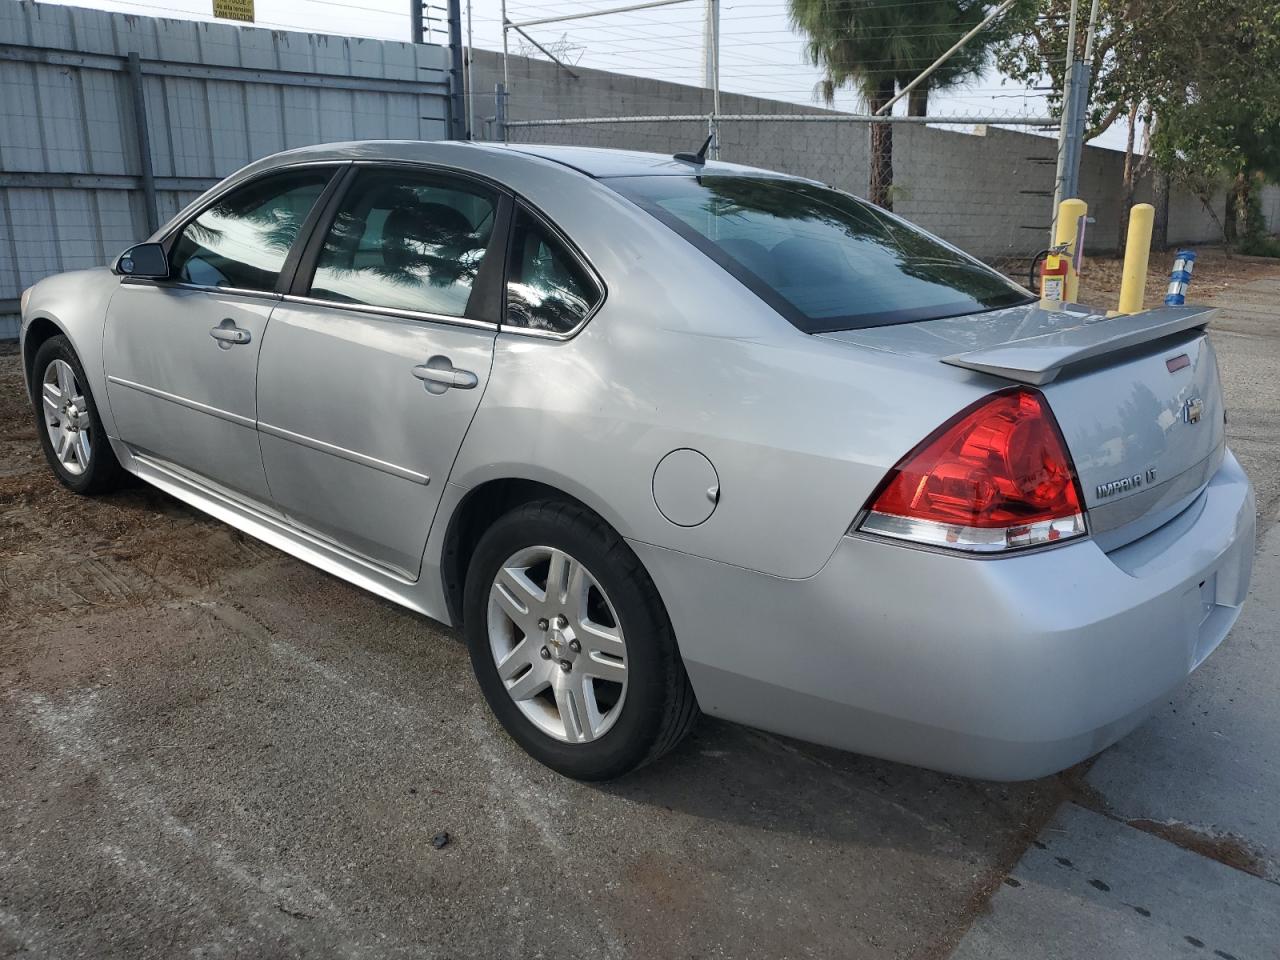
(242,240)
(547,288)
(406,242)
(823,259)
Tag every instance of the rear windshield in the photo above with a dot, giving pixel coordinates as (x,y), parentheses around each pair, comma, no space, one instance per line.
(823,259)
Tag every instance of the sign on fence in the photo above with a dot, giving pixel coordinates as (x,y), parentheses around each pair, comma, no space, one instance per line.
(234,10)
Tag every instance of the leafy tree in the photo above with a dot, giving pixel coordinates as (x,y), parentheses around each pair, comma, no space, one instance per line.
(1132,35)
(878,46)
(1198,77)
(1223,120)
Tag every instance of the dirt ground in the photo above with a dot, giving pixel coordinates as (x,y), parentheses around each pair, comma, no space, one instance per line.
(1215,274)
(210,749)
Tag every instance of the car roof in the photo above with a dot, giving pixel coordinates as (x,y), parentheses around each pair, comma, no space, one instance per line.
(595,162)
(607,162)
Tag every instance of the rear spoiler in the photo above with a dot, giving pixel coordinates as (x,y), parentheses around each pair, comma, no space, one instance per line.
(1038,360)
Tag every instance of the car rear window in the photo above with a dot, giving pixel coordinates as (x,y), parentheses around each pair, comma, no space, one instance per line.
(823,259)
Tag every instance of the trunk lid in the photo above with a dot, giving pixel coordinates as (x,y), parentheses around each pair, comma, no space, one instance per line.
(1137,397)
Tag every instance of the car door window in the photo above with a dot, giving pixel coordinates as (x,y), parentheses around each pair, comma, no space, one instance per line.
(406,242)
(547,287)
(242,240)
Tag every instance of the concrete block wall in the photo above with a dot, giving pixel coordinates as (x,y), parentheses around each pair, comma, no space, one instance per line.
(987,190)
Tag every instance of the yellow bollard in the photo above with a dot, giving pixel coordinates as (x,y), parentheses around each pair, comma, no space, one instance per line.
(1137,250)
(1071,214)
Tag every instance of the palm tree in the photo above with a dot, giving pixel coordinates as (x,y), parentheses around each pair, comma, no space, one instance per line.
(876,46)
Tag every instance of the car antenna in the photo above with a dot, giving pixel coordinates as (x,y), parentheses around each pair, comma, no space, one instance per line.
(700,158)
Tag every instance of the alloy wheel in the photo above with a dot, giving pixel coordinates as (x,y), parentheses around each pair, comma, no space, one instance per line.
(66,417)
(558,644)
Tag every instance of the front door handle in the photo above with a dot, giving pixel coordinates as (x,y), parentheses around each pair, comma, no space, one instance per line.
(227,334)
(439,374)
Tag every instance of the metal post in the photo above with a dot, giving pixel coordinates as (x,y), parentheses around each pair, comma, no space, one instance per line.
(457,108)
(1092,34)
(415,21)
(500,111)
(711,71)
(867,118)
(143,135)
(506,77)
(587,14)
(1067,129)
(1081,80)
(1075,147)
(470,78)
(1075,113)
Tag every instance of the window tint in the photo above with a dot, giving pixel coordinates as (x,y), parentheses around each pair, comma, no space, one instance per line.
(821,258)
(406,242)
(244,238)
(547,288)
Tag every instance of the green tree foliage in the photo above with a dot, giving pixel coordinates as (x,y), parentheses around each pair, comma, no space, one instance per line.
(1200,78)
(876,47)
(1224,117)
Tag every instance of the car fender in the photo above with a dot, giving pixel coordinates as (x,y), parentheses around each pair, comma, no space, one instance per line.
(76,303)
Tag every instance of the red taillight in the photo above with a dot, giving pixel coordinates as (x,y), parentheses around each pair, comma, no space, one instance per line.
(995,477)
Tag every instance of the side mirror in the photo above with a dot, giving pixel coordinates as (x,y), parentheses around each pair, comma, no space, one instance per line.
(143,260)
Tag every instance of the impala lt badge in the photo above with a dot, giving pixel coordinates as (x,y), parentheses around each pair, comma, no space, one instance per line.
(1192,410)
(1126,484)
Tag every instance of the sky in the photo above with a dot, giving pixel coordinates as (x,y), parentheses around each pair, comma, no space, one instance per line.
(760,53)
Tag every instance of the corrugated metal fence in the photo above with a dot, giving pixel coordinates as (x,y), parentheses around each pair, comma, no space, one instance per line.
(110,123)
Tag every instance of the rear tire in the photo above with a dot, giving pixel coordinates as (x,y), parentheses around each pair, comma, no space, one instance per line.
(556,603)
(71,432)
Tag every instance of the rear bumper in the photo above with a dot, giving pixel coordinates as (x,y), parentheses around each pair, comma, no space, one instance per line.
(1006,669)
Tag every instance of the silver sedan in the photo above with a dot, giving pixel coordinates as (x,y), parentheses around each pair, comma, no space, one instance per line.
(670,436)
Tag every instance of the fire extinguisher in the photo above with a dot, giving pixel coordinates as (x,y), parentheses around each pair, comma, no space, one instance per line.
(1053,278)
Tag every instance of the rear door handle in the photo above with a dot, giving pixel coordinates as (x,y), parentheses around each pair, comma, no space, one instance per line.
(227,333)
(439,374)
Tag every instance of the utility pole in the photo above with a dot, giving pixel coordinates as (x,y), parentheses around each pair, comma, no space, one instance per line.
(470,78)
(1066,129)
(1076,79)
(457,108)
(415,21)
(506,69)
(711,71)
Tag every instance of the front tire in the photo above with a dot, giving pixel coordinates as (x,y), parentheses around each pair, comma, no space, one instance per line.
(571,644)
(71,431)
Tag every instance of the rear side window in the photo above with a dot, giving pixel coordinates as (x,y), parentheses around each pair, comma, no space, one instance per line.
(548,288)
(407,242)
(823,259)
(242,240)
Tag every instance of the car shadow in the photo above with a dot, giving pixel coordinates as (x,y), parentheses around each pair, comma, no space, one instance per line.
(749,778)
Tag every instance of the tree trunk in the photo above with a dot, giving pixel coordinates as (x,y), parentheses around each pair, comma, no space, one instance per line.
(1128,182)
(918,101)
(1231,224)
(880,161)
(1160,200)
(1246,227)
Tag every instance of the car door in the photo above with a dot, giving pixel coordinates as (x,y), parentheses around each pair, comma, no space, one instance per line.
(376,361)
(181,355)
